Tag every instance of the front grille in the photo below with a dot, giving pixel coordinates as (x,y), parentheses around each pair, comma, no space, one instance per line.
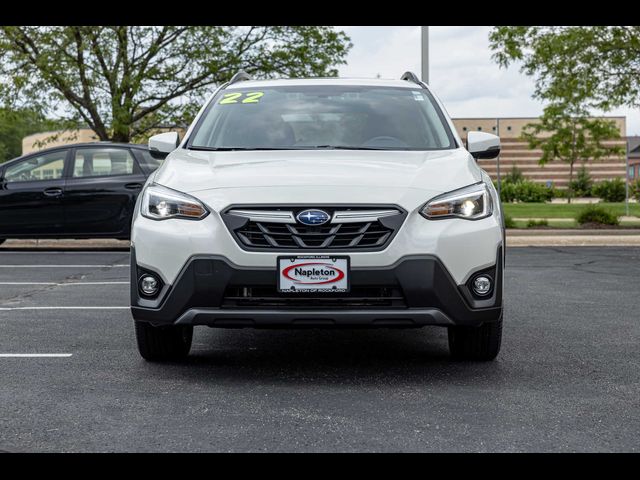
(269,297)
(370,234)
(344,235)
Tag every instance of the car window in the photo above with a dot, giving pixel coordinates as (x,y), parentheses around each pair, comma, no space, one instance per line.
(48,166)
(308,117)
(100,162)
(150,163)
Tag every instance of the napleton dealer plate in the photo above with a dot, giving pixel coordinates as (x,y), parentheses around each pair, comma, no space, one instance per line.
(311,273)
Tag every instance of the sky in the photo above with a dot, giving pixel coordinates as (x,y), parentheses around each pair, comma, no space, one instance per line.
(462,73)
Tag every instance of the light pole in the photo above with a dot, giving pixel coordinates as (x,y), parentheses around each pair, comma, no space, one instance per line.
(498,161)
(626,183)
(425,54)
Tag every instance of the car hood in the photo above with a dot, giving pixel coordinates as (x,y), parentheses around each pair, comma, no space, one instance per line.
(434,171)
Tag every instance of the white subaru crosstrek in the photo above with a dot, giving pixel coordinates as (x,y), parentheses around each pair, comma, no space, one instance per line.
(319,203)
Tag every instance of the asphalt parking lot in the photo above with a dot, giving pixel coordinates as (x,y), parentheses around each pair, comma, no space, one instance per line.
(567,379)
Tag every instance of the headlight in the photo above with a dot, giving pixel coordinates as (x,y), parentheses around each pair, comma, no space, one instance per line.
(161,203)
(472,203)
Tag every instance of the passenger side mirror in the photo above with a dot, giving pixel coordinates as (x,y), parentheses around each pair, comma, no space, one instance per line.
(483,145)
(163,144)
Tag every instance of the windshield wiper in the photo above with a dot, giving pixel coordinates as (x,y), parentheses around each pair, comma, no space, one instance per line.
(343,147)
(234,149)
(301,147)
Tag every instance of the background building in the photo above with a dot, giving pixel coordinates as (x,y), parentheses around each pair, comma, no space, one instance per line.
(634,157)
(42,140)
(516,152)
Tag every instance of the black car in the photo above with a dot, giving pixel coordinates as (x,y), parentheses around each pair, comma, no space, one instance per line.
(76,191)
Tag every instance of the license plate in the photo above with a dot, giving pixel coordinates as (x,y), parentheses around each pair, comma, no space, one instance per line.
(309,274)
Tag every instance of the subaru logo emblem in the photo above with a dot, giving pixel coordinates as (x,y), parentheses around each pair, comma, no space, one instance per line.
(313,217)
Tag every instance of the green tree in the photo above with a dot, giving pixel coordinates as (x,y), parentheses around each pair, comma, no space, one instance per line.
(17,124)
(566,133)
(599,64)
(123,81)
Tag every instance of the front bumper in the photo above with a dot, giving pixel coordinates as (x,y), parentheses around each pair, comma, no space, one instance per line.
(415,291)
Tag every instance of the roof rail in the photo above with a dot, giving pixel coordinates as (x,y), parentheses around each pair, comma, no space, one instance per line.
(241,76)
(411,77)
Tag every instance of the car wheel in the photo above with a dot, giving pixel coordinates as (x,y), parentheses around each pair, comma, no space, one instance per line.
(171,342)
(2,240)
(476,343)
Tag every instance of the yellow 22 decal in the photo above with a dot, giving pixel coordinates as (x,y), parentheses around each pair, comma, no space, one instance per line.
(250,97)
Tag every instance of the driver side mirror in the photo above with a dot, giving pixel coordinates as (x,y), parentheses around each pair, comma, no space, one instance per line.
(163,144)
(483,145)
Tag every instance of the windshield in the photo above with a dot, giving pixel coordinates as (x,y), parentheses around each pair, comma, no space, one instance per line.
(322,117)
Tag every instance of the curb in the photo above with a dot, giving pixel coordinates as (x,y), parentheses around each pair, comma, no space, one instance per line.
(574,241)
(557,232)
(515,238)
(55,244)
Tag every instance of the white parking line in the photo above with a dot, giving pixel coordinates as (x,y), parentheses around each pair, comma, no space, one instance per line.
(64,284)
(63,308)
(65,266)
(35,355)
(63,252)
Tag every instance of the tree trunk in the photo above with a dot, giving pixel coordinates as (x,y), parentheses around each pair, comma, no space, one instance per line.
(120,126)
(572,161)
(120,137)
(570,181)
(102,135)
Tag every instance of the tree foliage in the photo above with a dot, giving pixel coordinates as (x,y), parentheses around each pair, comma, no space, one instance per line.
(123,81)
(17,124)
(566,133)
(598,64)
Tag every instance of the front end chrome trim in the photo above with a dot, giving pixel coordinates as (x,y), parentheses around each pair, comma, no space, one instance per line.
(270,216)
(342,216)
(358,216)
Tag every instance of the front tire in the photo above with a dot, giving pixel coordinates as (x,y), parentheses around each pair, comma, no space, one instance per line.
(157,344)
(476,343)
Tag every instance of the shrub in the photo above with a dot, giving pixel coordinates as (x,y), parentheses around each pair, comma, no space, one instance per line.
(610,190)
(537,223)
(560,193)
(507,192)
(525,191)
(514,176)
(531,192)
(596,214)
(634,189)
(583,183)
(509,222)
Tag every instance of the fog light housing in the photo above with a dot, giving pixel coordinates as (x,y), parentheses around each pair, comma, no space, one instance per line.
(482,285)
(149,285)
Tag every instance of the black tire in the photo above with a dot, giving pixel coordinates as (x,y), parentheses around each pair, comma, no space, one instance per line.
(157,344)
(2,240)
(476,343)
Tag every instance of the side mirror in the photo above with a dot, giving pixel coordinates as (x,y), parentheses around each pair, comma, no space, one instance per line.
(483,145)
(163,144)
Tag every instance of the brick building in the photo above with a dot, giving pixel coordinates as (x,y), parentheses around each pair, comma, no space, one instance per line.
(42,140)
(516,152)
(634,157)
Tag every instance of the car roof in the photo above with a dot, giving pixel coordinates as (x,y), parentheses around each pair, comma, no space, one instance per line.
(361,82)
(44,151)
